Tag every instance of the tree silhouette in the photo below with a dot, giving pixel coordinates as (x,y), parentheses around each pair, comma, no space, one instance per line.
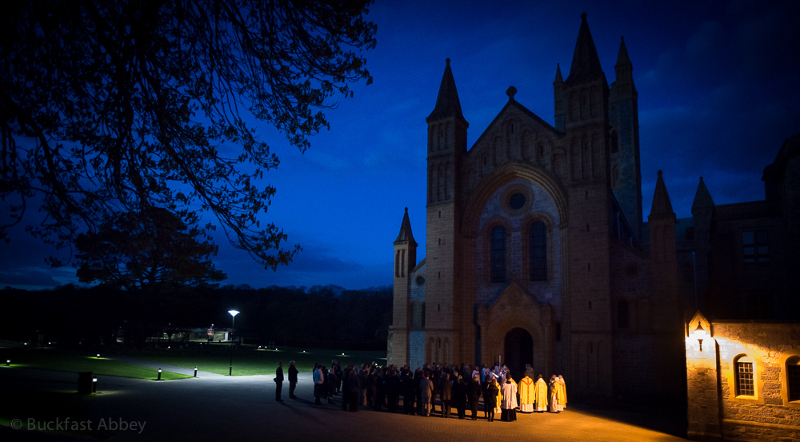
(147,251)
(107,106)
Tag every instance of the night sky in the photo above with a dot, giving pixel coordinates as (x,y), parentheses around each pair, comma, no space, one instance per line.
(718,95)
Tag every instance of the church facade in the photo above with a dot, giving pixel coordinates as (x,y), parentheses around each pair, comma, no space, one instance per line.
(536,248)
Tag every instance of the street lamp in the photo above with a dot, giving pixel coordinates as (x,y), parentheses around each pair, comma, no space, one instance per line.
(233,323)
(700,334)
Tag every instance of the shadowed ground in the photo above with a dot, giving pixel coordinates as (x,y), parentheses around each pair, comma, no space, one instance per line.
(244,408)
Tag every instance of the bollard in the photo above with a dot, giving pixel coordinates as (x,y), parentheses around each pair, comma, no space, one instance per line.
(195,371)
(8,362)
(94,385)
(159,374)
(98,355)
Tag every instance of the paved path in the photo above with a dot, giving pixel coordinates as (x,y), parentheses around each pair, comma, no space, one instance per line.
(244,408)
(172,368)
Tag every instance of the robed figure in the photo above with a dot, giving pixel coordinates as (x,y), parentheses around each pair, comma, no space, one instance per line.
(540,393)
(509,405)
(526,394)
(562,393)
(553,392)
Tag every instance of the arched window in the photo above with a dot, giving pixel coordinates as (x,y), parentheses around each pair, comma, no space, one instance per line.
(538,251)
(498,254)
(614,142)
(744,372)
(793,378)
(616,178)
(623,314)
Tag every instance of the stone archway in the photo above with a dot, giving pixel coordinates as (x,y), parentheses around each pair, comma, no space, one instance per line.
(515,309)
(518,351)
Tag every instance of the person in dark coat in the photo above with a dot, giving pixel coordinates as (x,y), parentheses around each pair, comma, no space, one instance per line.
(332,382)
(345,388)
(393,390)
(371,387)
(490,398)
(409,388)
(292,380)
(279,382)
(380,390)
(474,393)
(460,396)
(353,389)
(446,389)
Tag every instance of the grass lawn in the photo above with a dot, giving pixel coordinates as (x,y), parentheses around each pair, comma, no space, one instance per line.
(250,360)
(64,360)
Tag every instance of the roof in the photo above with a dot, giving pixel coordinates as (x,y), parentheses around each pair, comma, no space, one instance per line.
(447,102)
(585,62)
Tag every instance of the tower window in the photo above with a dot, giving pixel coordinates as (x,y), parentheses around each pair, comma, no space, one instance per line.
(498,254)
(614,142)
(538,251)
(623,314)
(755,246)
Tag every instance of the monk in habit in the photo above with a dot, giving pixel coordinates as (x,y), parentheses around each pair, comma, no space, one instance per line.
(526,394)
(540,394)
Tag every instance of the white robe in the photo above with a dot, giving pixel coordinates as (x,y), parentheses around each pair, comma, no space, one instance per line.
(509,396)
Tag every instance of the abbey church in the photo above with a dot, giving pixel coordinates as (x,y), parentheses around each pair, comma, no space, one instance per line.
(536,248)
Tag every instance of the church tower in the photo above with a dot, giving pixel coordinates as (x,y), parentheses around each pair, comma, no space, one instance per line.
(626,175)
(667,325)
(405,258)
(588,303)
(447,143)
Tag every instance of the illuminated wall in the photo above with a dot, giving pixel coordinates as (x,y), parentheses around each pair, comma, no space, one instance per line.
(744,384)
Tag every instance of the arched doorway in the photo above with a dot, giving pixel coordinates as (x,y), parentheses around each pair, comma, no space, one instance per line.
(518,351)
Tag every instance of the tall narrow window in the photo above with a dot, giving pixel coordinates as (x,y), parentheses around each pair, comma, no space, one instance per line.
(623,314)
(498,254)
(756,246)
(744,377)
(538,251)
(793,378)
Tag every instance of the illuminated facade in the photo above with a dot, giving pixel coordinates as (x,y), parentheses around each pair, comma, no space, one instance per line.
(536,249)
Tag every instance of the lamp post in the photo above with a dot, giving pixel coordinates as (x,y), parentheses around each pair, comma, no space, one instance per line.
(233,323)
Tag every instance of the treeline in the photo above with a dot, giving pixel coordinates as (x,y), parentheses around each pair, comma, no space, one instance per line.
(319,316)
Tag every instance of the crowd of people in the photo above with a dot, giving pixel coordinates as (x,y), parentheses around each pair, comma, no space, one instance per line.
(420,391)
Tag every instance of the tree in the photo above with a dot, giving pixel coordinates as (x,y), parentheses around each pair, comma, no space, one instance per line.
(147,251)
(108,106)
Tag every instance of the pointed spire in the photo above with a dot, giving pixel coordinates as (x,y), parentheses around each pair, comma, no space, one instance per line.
(585,62)
(405,231)
(661,204)
(447,103)
(622,56)
(703,197)
(559,78)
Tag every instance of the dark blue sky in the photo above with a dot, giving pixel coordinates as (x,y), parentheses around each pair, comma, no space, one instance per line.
(718,94)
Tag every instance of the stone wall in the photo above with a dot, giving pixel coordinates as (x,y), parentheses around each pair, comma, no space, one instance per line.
(767,413)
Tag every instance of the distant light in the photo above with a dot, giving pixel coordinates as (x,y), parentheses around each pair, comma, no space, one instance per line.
(98,355)
(304,351)
(168,347)
(342,353)
(8,362)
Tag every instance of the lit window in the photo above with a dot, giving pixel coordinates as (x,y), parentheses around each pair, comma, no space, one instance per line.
(744,377)
(793,378)
(498,254)
(538,251)
(755,246)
